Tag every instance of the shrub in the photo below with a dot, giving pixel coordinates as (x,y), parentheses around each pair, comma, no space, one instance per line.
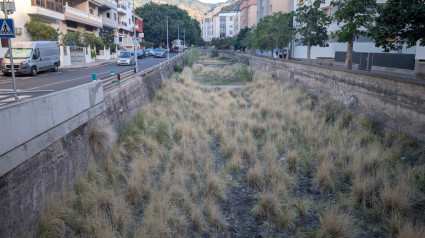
(102,138)
(40,31)
(214,53)
(190,57)
(244,73)
(177,69)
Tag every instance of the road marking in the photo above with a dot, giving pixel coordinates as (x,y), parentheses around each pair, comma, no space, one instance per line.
(58,72)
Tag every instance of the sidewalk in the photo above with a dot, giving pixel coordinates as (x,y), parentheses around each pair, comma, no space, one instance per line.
(87,65)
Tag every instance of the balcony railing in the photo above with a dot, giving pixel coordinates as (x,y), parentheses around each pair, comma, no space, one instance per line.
(77,15)
(109,3)
(121,8)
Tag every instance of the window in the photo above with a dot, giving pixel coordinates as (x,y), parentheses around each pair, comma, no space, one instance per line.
(231,32)
(108,15)
(271,9)
(129,21)
(54,5)
(231,18)
(36,54)
(71,24)
(4,43)
(327,10)
(91,11)
(115,16)
(89,28)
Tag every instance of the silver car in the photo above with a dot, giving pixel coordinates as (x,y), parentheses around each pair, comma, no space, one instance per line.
(126,58)
(159,53)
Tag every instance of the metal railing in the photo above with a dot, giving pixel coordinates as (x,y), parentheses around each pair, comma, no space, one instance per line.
(117,79)
(17,93)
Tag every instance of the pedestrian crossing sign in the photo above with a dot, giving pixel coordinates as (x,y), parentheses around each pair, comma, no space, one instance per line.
(7,30)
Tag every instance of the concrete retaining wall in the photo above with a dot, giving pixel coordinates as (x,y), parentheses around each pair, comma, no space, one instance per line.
(64,153)
(397,102)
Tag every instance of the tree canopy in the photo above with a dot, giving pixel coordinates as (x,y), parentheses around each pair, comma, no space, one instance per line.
(155,24)
(273,31)
(312,26)
(399,22)
(40,31)
(355,16)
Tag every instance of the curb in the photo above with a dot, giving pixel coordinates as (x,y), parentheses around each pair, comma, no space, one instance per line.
(88,66)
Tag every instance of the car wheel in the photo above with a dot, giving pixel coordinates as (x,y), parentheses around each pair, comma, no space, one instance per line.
(34,71)
(55,68)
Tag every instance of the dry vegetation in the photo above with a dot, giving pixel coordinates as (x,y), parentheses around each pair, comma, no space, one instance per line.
(274,161)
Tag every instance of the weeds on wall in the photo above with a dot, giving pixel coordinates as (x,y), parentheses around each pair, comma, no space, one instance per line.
(214,53)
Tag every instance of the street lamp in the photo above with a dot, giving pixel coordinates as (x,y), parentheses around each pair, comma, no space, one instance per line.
(8,7)
(168,48)
(134,36)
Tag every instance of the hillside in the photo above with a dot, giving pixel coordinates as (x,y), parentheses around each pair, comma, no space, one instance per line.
(195,8)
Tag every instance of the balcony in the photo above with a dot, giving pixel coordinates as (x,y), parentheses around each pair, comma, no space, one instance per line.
(121,8)
(108,4)
(86,18)
(108,22)
(124,26)
(46,13)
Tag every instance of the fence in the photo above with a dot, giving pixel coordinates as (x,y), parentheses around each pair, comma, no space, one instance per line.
(116,79)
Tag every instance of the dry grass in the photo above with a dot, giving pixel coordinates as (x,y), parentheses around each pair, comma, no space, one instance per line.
(102,138)
(168,175)
(336,224)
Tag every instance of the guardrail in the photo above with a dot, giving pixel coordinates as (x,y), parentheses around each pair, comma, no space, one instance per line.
(116,79)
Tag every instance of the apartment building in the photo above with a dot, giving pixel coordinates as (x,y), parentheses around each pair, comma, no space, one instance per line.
(361,44)
(268,7)
(236,23)
(248,14)
(218,26)
(108,12)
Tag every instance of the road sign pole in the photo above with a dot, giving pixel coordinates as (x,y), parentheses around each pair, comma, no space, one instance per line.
(12,66)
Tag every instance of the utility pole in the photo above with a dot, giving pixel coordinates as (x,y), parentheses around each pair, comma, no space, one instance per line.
(12,66)
(184,42)
(178,35)
(168,48)
(134,36)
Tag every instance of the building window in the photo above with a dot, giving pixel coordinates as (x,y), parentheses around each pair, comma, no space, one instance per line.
(89,28)
(4,43)
(115,16)
(91,11)
(54,5)
(231,18)
(129,22)
(108,15)
(271,9)
(327,10)
(71,24)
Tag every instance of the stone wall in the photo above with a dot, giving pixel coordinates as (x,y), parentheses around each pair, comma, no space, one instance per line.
(30,187)
(397,102)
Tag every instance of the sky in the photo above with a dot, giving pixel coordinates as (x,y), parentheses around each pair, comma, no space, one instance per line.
(212,1)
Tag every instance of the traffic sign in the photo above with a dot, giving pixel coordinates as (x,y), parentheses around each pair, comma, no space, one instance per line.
(7,29)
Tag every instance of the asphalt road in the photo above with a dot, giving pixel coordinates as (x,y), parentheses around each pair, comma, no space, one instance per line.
(68,78)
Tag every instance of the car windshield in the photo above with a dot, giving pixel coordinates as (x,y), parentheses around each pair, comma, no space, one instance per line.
(19,53)
(158,50)
(125,55)
(139,51)
(150,49)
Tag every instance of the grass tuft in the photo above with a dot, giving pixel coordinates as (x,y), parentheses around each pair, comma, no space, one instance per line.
(101,139)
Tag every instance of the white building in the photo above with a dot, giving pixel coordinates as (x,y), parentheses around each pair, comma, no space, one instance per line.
(218,26)
(362,44)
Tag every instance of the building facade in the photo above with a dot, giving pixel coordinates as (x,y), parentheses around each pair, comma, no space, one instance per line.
(248,14)
(268,7)
(100,17)
(221,25)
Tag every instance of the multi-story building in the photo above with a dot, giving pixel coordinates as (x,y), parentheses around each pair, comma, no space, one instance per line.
(268,7)
(70,16)
(361,44)
(248,14)
(108,12)
(236,23)
(218,26)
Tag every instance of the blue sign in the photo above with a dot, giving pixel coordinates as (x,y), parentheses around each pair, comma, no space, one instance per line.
(7,29)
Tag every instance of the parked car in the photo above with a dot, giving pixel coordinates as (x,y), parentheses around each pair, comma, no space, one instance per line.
(160,53)
(141,54)
(126,58)
(150,52)
(31,57)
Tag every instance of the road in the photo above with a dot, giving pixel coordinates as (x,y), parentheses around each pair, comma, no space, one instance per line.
(68,78)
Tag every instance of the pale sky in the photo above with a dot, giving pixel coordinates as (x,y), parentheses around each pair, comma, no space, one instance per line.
(212,1)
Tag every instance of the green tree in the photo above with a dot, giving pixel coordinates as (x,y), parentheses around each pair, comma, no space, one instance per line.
(40,31)
(239,43)
(273,31)
(90,39)
(312,26)
(155,24)
(399,22)
(354,16)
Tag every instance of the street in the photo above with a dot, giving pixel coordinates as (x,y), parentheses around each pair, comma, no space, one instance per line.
(68,78)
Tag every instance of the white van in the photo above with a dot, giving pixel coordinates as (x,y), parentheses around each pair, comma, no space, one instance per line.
(31,57)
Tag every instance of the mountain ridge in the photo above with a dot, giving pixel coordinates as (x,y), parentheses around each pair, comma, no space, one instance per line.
(195,8)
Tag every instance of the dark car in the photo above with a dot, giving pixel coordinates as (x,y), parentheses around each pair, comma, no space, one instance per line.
(159,53)
(141,54)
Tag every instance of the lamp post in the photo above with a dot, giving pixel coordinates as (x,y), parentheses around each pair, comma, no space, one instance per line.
(178,35)
(184,41)
(134,36)
(168,48)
